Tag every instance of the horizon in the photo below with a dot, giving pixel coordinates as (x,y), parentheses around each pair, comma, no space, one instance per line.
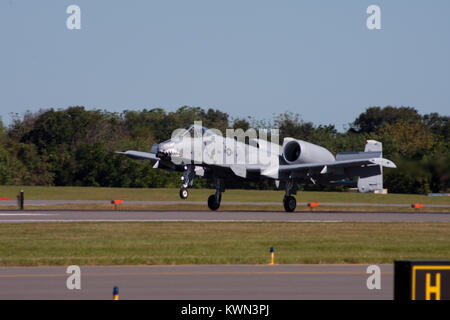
(346,127)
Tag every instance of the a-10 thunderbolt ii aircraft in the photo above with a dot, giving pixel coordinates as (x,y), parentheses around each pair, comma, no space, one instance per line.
(198,151)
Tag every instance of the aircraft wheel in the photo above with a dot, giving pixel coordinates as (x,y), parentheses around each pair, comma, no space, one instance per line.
(184,193)
(212,203)
(289,203)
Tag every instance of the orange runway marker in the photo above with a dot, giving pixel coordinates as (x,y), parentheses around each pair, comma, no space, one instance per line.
(417,206)
(117,204)
(312,205)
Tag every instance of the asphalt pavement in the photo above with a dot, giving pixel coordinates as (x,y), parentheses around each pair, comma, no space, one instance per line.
(198,282)
(30,216)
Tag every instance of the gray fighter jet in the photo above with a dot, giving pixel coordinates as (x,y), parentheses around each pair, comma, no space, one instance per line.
(198,151)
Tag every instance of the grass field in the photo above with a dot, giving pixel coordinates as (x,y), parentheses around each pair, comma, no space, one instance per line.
(142,194)
(219,243)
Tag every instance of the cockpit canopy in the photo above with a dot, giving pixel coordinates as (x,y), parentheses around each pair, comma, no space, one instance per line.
(194,130)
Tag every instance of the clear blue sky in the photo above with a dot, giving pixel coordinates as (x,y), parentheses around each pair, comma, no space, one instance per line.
(247,58)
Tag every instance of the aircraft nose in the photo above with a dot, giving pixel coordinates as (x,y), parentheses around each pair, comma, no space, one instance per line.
(165,146)
(168,149)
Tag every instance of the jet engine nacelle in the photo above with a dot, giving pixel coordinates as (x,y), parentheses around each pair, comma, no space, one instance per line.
(299,151)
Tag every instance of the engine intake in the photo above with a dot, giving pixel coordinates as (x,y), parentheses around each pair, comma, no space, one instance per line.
(292,151)
(299,151)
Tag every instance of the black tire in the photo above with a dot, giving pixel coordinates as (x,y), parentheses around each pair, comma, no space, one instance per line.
(212,203)
(289,203)
(184,193)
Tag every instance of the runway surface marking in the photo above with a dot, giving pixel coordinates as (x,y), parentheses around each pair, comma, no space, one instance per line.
(216,216)
(170,220)
(38,275)
(26,214)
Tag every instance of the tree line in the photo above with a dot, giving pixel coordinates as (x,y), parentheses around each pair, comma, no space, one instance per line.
(75,146)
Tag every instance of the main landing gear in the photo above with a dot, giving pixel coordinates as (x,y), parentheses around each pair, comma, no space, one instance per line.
(214,199)
(289,201)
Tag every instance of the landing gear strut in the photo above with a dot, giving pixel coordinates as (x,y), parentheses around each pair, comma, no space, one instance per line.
(188,180)
(214,199)
(289,201)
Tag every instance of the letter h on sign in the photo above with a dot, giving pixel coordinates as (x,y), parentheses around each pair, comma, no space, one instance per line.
(436,289)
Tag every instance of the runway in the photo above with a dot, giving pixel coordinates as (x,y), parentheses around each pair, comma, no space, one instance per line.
(188,202)
(193,282)
(35,216)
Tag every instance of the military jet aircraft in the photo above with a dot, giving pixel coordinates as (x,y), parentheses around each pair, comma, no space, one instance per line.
(203,152)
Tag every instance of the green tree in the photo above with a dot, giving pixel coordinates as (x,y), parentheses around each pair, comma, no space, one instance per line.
(291,125)
(375,117)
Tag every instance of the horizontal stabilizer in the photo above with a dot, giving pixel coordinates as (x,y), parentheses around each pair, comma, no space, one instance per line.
(342,156)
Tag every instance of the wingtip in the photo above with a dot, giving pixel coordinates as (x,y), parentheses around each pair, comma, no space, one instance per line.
(390,164)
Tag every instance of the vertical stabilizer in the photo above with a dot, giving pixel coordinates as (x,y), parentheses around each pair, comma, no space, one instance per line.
(374,146)
(373,180)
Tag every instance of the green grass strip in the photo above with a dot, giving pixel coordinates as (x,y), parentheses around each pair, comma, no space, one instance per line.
(220,243)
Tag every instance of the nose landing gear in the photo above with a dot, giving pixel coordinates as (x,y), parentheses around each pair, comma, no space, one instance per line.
(184,193)
(188,180)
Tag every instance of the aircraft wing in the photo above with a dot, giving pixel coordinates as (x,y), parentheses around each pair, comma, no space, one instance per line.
(323,168)
(342,163)
(139,155)
(155,161)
